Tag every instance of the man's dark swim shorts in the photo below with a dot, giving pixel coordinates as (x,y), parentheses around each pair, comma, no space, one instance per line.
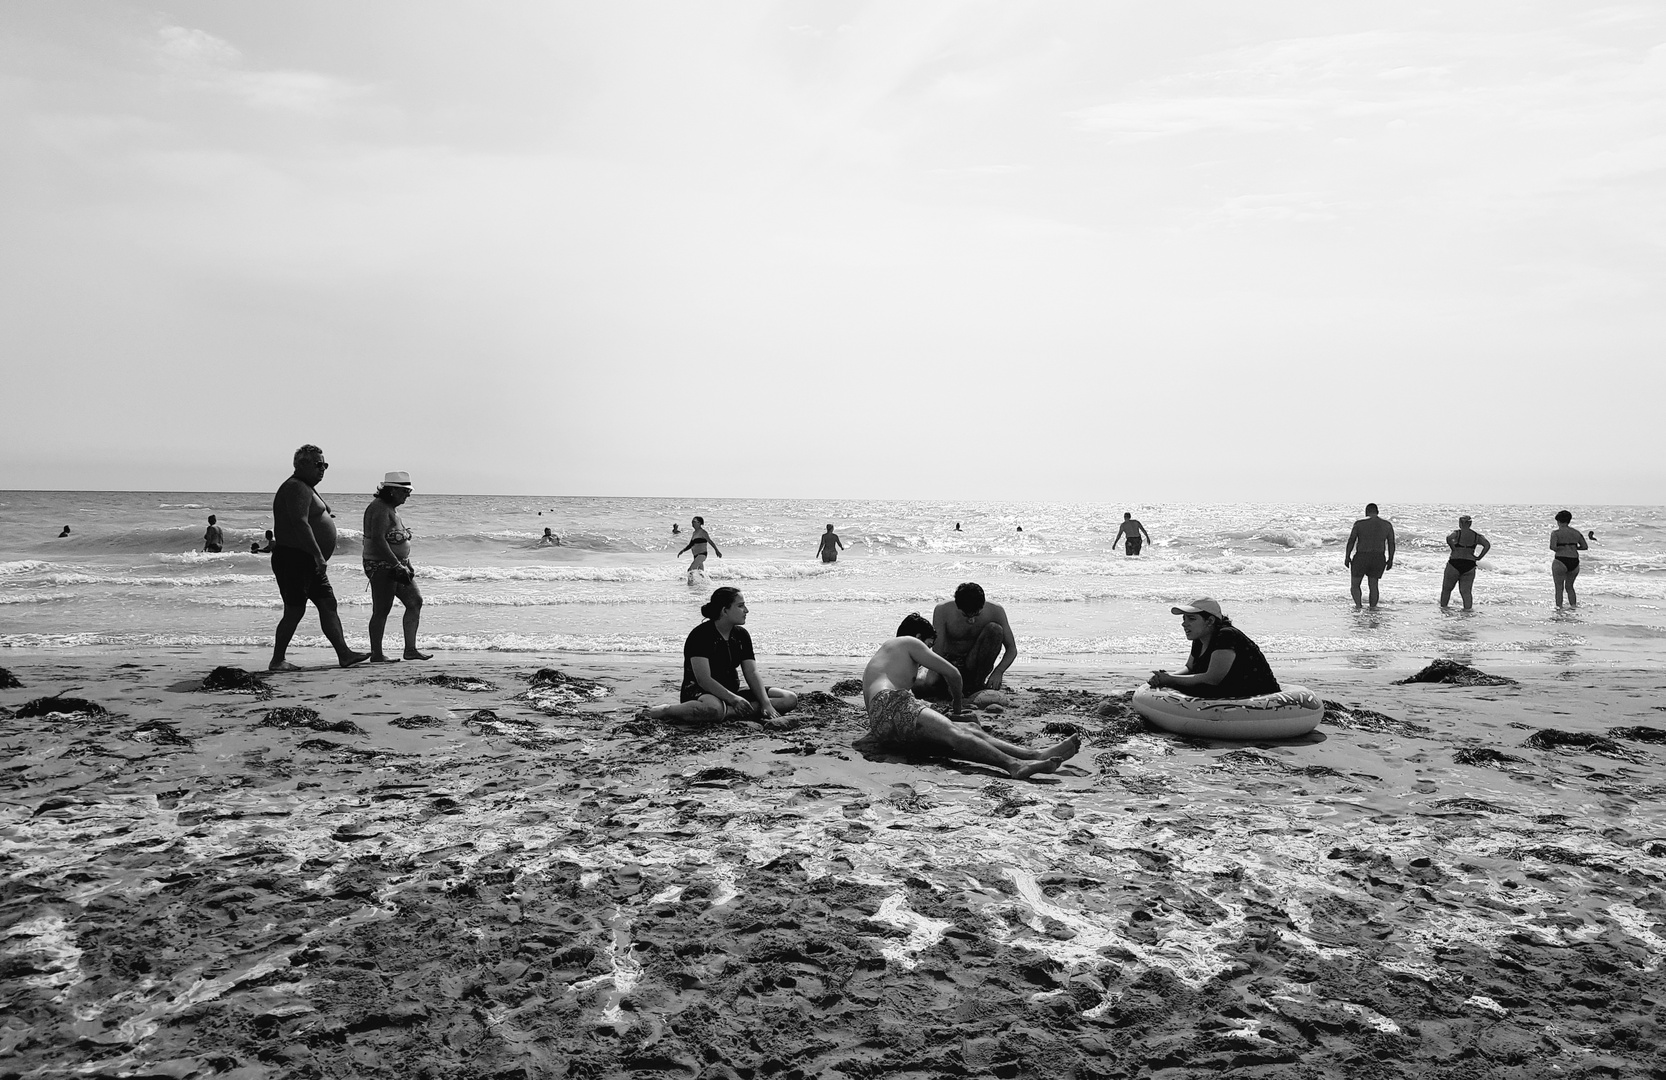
(1371,566)
(300,580)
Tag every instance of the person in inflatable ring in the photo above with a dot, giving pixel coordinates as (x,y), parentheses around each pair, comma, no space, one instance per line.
(1224,663)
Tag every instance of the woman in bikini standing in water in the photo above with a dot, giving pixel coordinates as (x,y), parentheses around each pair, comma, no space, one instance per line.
(1460,568)
(698,542)
(1567,542)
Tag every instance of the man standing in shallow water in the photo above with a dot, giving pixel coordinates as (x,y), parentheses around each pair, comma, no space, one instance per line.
(1374,538)
(304,538)
(1131,529)
(825,546)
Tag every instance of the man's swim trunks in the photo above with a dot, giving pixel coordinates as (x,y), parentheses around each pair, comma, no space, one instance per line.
(894,718)
(300,580)
(1371,566)
(1134,543)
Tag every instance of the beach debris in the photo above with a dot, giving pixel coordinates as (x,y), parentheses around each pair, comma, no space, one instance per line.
(1363,719)
(470,683)
(1452,673)
(1486,757)
(846,688)
(58,704)
(1638,734)
(1551,738)
(555,691)
(299,716)
(161,733)
(234,680)
(819,707)
(8,681)
(410,723)
(1479,806)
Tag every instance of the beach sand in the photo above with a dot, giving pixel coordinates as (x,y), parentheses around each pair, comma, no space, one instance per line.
(478,879)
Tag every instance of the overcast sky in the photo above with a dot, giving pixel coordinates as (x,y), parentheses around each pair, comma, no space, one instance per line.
(1264,251)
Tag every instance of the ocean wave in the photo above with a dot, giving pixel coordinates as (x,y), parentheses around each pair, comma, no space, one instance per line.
(35,598)
(19,567)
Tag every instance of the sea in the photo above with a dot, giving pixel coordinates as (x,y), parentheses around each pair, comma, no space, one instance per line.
(132,575)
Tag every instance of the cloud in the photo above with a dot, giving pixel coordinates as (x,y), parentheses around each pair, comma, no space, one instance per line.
(199,61)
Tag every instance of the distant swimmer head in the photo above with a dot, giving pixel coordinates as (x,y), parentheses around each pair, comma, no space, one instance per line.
(918,626)
(268,534)
(212,519)
(969,598)
(1370,508)
(1127,516)
(830,528)
(65,532)
(1563,517)
(722,601)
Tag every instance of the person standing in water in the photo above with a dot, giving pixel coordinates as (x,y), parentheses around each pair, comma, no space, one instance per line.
(829,545)
(1567,543)
(304,538)
(698,541)
(1130,530)
(1460,568)
(1373,536)
(213,537)
(387,563)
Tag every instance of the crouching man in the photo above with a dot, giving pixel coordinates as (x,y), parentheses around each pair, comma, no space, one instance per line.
(900,722)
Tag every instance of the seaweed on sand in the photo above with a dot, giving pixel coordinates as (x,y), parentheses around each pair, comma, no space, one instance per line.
(846,688)
(1452,673)
(458,682)
(234,680)
(1363,719)
(299,716)
(1550,738)
(8,681)
(1638,734)
(58,703)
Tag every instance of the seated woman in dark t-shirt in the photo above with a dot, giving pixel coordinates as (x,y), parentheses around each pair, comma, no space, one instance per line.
(712,654)
(1224,663)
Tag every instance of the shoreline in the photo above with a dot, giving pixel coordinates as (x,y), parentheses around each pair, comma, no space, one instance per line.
(472,878)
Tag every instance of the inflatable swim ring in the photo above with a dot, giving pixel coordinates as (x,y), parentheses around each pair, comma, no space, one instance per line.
(1295,710)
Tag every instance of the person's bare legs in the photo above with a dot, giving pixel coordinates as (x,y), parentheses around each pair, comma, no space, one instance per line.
(1373,591)
(1564,582)
(1353,589)
(331,622)
(705,709)
(1447,580)
(972,743)
(412,599)
(291,621)
(381,605)
(1573,597)
(1466,589)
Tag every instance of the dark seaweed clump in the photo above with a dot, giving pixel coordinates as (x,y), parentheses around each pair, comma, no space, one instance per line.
(1453,673)
(552,677)
(1362,719)
(299,716)
(1485,758)
(410,723)
(1638,734)
(8,681)
(1550,738)
(846,688)
(236,681)
(46,706)
(461,682)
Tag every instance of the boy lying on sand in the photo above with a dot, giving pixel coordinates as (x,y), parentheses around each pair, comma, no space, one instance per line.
(899,721)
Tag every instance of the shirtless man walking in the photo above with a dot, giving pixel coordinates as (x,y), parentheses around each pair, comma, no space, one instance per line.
(1131,529)
(974,634)
(826,546)
(899,721)
(1374,538)
(304,538)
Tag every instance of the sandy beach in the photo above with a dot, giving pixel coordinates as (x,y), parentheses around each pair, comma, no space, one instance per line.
(460,869)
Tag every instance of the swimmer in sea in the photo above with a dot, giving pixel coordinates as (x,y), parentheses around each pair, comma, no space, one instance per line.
(64,533)
(1373,536)
(305,538)
(1567,543)
(549,539)
(825,546)
(1460,568)
(387,563)
(899,721)
(1131,530)
(697,542)
(214,537)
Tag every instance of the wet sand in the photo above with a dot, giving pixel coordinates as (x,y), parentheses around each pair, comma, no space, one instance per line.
(478,877)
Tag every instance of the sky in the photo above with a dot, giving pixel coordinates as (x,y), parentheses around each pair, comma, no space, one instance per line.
(1218,251)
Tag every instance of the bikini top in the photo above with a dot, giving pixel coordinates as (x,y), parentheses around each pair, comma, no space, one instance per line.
(399,534)
(1456,541)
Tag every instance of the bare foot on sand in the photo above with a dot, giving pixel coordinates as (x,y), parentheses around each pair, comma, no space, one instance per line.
(1064,750)
(1029,768)
(282,665)
(412,654)
(377,658)
(354,658)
